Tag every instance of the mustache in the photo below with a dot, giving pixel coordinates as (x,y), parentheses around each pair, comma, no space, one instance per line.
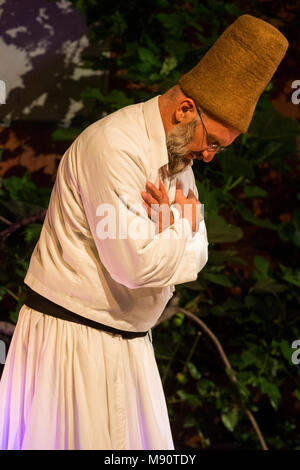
(177,142)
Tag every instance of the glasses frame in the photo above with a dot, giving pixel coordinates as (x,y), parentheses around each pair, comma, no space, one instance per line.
(211,147)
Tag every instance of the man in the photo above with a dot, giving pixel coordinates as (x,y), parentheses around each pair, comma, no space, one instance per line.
(81,371)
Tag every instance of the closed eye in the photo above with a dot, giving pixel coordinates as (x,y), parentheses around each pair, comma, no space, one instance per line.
(213,140)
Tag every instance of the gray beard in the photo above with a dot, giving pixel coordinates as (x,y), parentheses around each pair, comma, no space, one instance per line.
(177,146)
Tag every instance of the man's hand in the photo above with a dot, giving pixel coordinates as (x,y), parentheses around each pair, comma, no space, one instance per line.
(189,207)
(157,205)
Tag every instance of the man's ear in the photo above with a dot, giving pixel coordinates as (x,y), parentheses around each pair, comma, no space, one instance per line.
(185,110)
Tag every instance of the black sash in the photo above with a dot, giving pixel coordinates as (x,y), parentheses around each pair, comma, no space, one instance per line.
(46,306)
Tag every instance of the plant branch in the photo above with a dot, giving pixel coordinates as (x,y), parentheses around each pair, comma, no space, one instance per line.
(5,220)
(27,220)
(10,292)
(227,365)
(173,308)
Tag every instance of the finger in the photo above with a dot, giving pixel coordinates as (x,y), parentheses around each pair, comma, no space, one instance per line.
(179,188)
(153,190)
(191,194)
(152,214)
(164,193)
(161,187)
(150,200)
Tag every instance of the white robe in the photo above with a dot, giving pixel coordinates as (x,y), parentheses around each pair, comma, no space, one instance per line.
(68,386)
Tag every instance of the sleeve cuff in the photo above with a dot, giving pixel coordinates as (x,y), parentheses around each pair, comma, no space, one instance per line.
(176,213)
(186,225)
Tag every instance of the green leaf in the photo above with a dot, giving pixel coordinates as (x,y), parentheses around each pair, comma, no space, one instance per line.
(254,355)
(3,290)
(117,23)
(243,391)
(116,99)
(22,209)
(270,124)
(232,9)
(268,285)
(271,148)
(65,134)
(169,64)
(216,278)
(229,305)
(170,21)
(234,166)
(219,231)
(230,419)
(21,266)
(286,350)
(271,390)
(254,191)
(247,215)
(18,186)
(95,93)
(261,268)
(291,232)
(290,276)
(147,56)
(189,421)
(229,256)
(297,394)
(205,387)
(193,400)
(194,371)
(32,232)
(193,285)
(14,313)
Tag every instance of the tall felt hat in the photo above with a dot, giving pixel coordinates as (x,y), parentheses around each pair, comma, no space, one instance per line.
(231,76)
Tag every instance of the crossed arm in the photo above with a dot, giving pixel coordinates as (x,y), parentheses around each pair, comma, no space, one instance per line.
(159,208)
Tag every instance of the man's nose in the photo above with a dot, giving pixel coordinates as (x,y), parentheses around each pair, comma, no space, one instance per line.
(208,156)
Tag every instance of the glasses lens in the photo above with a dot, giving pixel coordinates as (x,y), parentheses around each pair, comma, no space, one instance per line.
(213,148)
(217,148)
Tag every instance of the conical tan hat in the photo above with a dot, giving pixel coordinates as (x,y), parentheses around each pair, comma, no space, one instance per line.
(231,76)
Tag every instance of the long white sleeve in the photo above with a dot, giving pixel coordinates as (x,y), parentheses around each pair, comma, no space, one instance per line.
(120,281)
(137,258)
(197,243)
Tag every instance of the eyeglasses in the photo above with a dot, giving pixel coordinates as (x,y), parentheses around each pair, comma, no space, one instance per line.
(211,147)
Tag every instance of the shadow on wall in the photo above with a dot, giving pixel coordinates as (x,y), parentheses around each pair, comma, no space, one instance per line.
(41,47)
(41,44)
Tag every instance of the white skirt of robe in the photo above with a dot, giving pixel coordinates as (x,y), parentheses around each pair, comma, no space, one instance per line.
(68,386)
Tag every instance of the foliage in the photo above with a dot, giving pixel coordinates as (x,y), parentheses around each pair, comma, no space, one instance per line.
(249,291)
(20,200)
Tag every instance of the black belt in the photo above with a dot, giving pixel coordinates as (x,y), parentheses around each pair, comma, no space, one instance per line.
(46,306)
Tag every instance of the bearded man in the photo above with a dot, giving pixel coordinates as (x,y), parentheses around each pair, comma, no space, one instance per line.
(81,371)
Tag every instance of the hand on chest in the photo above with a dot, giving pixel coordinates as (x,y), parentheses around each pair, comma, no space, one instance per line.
(170,184)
